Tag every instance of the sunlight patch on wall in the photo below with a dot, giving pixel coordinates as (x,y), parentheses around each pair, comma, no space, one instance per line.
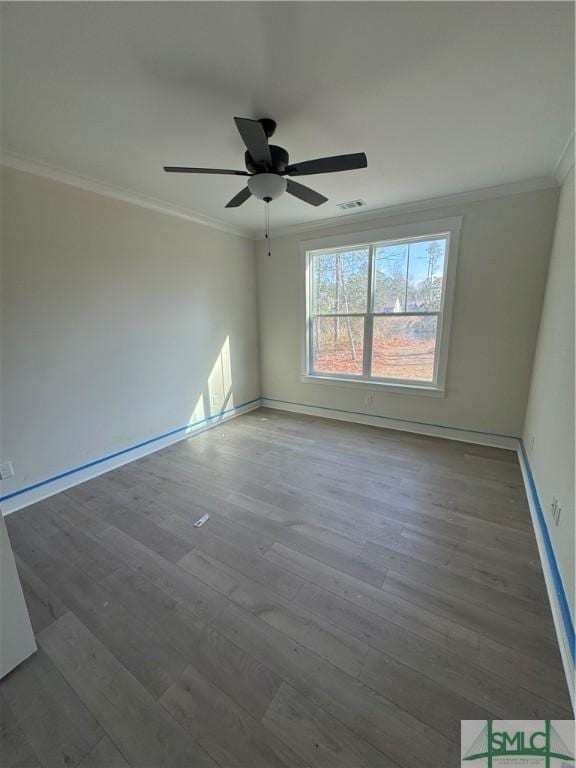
(220,381)
(199,412)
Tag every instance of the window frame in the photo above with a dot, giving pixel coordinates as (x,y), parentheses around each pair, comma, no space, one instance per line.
(449,229)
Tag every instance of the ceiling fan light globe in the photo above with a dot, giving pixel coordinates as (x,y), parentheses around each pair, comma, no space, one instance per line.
(267,186)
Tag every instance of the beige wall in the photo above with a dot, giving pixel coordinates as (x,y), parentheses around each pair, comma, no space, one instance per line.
(549,427)
(504,252)
(119,324)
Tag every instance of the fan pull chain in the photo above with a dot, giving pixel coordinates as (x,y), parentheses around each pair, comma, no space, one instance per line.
(267,220)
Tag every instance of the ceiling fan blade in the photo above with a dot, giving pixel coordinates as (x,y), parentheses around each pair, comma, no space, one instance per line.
(185,169)
(304,193)
(240,198)
(255,140)
(328,165)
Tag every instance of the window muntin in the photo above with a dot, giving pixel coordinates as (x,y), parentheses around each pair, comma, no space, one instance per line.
(375,311)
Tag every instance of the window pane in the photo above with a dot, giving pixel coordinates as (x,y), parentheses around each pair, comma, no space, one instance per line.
(340,282)
(404,347)
(391,263)
(338,344)
(425,275)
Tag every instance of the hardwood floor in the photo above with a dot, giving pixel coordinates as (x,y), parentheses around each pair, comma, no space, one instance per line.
(355,593)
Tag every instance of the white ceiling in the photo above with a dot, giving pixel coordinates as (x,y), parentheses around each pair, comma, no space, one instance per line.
(443,97)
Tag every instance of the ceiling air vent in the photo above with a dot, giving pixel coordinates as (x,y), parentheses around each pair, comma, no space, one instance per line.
(351,205)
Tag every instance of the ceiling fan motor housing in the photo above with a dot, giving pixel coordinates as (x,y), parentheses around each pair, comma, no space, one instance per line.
(268,125)
(280,161)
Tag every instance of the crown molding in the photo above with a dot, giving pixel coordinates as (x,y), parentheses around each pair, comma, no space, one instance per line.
(39,168)
(472,196)
(565,161)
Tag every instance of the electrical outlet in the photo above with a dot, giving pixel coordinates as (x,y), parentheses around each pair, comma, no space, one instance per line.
(532,439)
(6,470)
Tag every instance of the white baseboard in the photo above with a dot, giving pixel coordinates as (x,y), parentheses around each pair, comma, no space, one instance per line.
(507,442)
(73,477)
(553,588)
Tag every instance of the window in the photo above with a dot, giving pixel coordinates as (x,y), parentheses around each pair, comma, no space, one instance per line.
(377,311)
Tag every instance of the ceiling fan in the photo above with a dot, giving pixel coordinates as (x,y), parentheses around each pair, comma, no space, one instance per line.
(268,164)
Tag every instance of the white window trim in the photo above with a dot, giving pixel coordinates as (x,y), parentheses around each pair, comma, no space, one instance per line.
(449,228)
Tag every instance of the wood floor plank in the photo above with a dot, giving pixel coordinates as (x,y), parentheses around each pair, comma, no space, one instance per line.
(394,731)
(145,531)
(529,609)
(243,511)
(339,647)
(502,540)
(241,676)
(481,686)
(296,521)
(60,728)
(239,464)
(453,477)
(394,511)
(537,642)
(44,605)
(543,679)
(138,725)
(70,506)
(516,554)
(178,516)
(374,630)
(357,588)
(104,755)
(452,635)
(224,729)
(319,737)
(88,555)
(413,691)
(252,565)
(338,453)
(41,518)
(137,646)
(358,528)
(463,559)
(224,497)
(197,596)
(15,748)
(465,678)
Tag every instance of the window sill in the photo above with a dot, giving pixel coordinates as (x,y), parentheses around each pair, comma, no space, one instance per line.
(427,390)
